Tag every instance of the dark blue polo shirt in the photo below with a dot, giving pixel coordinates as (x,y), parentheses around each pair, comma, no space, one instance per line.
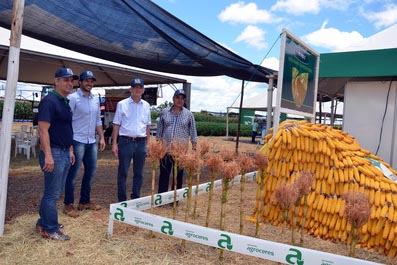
(55,109)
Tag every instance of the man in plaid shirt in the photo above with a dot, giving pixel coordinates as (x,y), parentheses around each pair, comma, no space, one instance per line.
(176,124)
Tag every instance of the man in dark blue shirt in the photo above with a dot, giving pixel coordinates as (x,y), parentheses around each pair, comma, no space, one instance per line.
(56,151)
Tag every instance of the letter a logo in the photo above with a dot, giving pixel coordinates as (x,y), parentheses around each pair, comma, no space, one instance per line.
(167,228)
(185,193)
(158,200)
(295,258)
(226,240)
(119,214)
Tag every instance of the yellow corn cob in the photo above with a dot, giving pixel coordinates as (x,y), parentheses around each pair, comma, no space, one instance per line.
(390,214)
(338,205)
(379,225)
(342,208)
(384,211)
(394,199)
(395,216)
(336,175)
(324,187)
(284,137)
(377,198)
(333,221)
(372,196)
(324,205)
(392,234)
(332,188)
(338,223)
(386,230)
(341,175)
(330,142)
(320,201)
(382,198)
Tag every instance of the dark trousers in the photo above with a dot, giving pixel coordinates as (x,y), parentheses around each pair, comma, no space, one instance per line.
(166,167)
(254,133)
(135,151)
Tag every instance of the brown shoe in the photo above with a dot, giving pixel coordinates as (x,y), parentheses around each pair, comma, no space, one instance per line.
(69,210)
(89,206)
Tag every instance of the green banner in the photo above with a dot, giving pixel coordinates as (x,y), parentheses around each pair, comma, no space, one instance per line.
(247,117)
(298,87)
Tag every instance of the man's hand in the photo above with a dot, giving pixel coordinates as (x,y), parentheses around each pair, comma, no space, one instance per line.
(102,144)
(72,158)
(115,150)
(48,163)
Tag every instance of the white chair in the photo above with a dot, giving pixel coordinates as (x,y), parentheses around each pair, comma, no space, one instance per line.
(24,128)
(19,139)
(34,130)
(28,146)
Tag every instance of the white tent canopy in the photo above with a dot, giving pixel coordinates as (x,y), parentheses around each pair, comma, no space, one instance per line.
(258,102)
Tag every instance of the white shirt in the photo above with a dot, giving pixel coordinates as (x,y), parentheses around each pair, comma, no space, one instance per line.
(132,117)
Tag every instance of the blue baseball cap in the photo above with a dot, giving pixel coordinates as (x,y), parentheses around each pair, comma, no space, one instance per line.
(65,73)
(136,82)
(87,75)
(180,92)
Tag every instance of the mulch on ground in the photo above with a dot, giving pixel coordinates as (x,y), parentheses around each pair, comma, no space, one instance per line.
(129,245)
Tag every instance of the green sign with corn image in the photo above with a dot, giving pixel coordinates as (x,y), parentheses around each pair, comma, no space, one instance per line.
(298,89)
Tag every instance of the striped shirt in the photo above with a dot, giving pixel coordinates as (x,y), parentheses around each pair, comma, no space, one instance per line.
(176,127)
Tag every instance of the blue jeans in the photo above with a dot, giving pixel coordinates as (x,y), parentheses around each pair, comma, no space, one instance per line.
(86,153)
(53,184)
(130,150)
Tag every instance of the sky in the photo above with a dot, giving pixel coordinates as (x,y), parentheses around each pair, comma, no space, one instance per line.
(252,30)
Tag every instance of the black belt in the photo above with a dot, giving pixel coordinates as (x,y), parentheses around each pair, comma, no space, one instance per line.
(133,139)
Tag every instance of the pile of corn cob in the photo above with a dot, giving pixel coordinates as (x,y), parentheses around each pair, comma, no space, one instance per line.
(339,165)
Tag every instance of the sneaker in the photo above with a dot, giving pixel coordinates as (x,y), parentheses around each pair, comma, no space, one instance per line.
(89,206)
(68,209)
(40,229)
(58,235)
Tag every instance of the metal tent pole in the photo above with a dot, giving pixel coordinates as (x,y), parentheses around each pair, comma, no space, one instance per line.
(239,116)
(269,102)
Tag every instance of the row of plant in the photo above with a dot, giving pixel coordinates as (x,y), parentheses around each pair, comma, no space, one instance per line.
(224,163)
(219,129)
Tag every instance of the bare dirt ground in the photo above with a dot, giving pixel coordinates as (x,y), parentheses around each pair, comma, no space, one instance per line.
(129,245)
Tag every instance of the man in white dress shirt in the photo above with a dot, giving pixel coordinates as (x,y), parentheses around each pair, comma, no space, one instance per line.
(131,132)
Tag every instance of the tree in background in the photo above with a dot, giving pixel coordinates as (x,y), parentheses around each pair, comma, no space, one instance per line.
(23,110)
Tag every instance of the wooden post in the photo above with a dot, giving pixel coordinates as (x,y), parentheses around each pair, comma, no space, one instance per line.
(9,104)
